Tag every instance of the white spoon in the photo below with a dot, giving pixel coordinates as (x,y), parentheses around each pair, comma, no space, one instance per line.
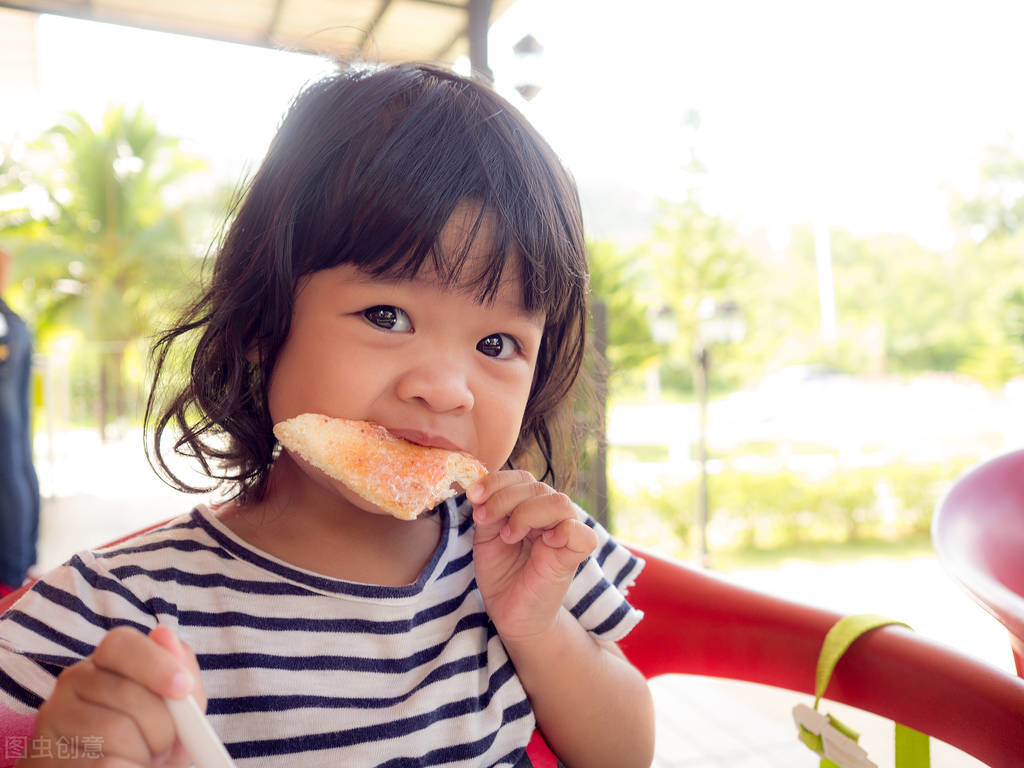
(197,735)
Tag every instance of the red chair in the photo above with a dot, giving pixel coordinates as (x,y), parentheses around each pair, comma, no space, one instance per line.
(698,623)
(978,533)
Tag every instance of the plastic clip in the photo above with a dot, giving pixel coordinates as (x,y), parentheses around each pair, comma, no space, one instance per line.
(829,738)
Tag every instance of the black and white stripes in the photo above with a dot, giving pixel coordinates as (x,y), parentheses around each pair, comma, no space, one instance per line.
(305,669)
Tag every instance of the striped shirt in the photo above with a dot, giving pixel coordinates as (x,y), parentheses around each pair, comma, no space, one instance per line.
(304,669)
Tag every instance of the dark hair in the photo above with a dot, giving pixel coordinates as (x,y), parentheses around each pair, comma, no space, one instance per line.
(366,169)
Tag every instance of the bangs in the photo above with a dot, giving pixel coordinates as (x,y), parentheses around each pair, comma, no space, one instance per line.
(474,253)
(435,151)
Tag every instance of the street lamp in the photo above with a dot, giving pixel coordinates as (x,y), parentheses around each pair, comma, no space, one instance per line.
(717,323)
(664,326)
(529,55)
(664,329)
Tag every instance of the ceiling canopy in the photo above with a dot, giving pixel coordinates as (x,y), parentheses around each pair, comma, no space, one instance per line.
(376,30)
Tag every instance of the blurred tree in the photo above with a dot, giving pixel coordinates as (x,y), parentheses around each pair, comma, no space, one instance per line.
(990,288)
(7,178)
(698,255)
(997,210)
(992,222)
(97,230)
(903,308)
(615,283)
(617,279)
(897,303)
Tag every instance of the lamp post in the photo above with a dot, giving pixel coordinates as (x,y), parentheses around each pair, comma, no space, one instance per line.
(664,325)
(529,55)
(717,323)
(664,329)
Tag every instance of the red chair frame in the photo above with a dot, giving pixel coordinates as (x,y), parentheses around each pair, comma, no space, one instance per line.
(699,623)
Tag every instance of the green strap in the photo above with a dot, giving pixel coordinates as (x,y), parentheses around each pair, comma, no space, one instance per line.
(838,639)
(912,747)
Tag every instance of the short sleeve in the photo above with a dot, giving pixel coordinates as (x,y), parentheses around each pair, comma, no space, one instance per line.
(57,623)
(597,595)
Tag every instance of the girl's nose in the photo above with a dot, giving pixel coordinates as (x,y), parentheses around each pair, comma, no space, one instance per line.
(441,384)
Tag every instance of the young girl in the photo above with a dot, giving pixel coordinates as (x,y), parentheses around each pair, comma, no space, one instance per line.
(410,253)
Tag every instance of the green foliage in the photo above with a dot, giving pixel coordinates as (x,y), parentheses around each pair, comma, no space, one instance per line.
(991,287)
(997,210)
(9,183)
(617,280)
(102,237)
(992,272)
(824,552)
(905,309)
(657,518)
(758,511)
(901,307)
(696,255)
(896,303)
(107,249)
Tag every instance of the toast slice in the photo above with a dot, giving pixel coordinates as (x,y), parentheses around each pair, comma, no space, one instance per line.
(398,476)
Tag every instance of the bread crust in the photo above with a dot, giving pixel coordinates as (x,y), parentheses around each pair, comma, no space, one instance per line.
(400,477)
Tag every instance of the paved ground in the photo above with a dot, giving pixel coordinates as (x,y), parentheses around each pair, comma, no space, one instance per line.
(96,493)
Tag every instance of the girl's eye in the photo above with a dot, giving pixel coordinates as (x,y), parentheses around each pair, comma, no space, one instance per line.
(389,318)
(498,345)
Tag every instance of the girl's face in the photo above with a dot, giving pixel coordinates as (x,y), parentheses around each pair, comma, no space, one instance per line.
(433,365)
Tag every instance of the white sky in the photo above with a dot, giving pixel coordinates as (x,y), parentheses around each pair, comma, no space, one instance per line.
(867,114)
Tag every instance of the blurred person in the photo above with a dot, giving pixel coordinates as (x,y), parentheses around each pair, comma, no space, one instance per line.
(19,487)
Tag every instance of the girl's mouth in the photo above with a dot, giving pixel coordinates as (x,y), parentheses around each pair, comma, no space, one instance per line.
(424,439)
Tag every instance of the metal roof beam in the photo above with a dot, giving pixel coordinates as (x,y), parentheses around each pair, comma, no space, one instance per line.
(479,22)
(368,32)
(275,16)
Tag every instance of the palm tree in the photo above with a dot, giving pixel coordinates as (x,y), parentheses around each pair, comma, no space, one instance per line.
(106,245)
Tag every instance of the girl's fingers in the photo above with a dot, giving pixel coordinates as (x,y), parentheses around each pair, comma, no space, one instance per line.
(81,705)
(117,762)
(481,492)
(573,539)
(512,504)
(129,653)
(539,512)
(117,693)
(498,494)
(164,637)
(141,713)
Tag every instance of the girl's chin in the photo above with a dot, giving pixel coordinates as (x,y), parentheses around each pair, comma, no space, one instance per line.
(347,497)
(355,500)
(333,490)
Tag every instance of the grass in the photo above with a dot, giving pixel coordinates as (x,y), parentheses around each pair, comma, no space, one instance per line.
(823,552)
(641,453)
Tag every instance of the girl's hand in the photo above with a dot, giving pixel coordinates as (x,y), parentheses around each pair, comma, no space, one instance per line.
(528,544)
(110,705)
